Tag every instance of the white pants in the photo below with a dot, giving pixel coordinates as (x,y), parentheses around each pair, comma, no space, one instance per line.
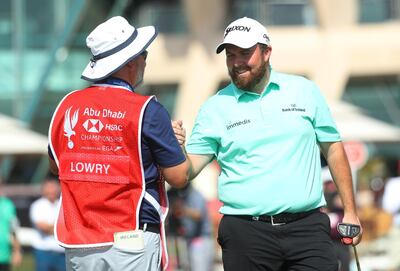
(111,258)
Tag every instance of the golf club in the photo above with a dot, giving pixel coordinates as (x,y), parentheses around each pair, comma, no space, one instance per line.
(348,232)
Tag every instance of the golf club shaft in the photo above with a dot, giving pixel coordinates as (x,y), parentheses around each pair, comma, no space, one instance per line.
(356,257)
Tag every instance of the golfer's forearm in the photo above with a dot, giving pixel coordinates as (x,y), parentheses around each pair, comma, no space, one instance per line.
(190,174)
(347,195)
(341,174)
(197,162)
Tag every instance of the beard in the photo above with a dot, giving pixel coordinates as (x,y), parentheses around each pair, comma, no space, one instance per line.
(138,79)
(248,82)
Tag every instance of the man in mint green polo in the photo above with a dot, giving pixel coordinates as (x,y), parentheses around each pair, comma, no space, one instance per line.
(10,251)
(266,130)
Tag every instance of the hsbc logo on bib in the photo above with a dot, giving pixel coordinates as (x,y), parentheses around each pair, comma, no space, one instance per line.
(93,125)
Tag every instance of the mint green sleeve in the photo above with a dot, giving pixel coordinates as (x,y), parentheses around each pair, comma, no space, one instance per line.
(204,138)
(324,124)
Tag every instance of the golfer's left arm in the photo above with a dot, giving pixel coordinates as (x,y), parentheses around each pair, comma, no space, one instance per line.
(340,170)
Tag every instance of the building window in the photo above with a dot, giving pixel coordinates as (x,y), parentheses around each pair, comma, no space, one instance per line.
(96,13)
(5,24)
(274,12)
(372,11)
(378,96)
(39,23)
(168,16)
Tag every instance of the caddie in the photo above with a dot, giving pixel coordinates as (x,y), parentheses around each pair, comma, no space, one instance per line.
(112,149)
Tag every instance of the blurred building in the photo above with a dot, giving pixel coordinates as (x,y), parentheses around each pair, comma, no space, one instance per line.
(350,48)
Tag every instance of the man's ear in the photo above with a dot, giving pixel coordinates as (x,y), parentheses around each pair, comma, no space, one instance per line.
(132,63)
(267,53)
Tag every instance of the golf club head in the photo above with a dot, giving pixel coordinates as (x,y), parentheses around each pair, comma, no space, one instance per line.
(347,232)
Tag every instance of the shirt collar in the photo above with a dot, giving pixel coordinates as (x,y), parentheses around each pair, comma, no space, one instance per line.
(273,83)
(116,82)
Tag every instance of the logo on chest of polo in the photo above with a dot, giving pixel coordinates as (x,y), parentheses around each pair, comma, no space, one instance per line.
(231,125)
(293,108)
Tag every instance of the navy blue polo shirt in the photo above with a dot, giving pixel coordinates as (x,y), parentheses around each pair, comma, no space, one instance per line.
(159,147)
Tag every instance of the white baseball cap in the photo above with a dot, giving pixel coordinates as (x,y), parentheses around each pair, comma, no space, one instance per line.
(113,44)
(244,33)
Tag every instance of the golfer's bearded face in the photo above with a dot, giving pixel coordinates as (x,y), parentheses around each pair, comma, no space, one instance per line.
(246,67)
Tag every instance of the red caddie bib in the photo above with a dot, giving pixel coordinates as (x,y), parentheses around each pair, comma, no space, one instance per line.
(95,136)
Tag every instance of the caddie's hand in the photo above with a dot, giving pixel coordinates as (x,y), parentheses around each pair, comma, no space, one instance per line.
(180,131)
(352,219)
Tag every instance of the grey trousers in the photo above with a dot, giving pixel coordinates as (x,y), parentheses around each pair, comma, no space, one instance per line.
(110,258)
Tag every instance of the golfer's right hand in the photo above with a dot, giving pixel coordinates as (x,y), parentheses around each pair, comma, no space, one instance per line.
(353,219)
(180,131)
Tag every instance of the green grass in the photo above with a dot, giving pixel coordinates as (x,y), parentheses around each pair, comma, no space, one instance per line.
(28,263)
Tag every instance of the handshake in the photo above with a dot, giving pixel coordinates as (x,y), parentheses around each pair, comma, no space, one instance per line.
(180,131)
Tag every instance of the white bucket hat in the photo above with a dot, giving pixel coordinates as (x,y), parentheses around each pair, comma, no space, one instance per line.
(113,44)
(244,33)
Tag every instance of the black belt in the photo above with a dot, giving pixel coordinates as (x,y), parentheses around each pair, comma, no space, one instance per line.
(151,227)
(279,219)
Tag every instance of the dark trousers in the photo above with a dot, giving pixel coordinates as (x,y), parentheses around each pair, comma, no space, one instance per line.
(343,255)
(301,245)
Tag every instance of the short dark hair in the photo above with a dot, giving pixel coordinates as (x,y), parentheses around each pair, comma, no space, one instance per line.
(263,47)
